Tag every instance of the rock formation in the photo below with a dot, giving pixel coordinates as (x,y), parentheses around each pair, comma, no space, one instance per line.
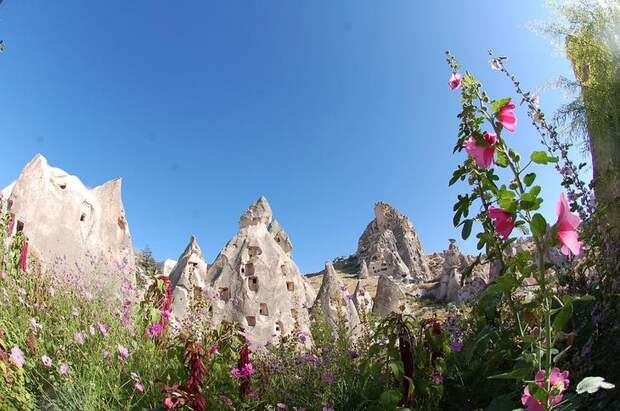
(257,282)
(334,303)
(165,267)
(450,266)
(62,217)
(362,300)
(391,246)
(363,270)
(188,278)
(390,297)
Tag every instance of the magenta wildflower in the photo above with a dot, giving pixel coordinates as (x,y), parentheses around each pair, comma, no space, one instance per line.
(47,361)
(123,352)
(63,369)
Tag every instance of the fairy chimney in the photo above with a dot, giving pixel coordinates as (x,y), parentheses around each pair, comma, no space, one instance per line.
(389,297)
(333,301)
(363,270)
(257,282)
(63,218)
(361,299)
(188,278)
(391,246)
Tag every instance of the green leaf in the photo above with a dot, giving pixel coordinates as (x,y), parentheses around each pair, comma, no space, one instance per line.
(390,398)
(538,225)
(593,384)
(529,179)
(398,369)
(467,229)
(516,374)
(497,104)
(541,157)
(562,317)
(501,160)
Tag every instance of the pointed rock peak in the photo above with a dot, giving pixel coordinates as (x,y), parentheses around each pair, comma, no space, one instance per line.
(258,213)
(359,287)
(363,270)
(280,236)
(193,247)
(330,271)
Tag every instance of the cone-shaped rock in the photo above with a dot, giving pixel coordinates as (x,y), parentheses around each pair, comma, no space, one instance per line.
(188,278)
(280,236)
(389,298)
(391,246)
(361,299)
(334,302)
(363,270)
(257,282)
(62,217)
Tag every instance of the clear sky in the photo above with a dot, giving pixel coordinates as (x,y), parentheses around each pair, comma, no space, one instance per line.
(325,107)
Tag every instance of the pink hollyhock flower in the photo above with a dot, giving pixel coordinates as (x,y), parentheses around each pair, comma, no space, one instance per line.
(502,221)
(507,116)
(235,372)
(17,357)
(63,369)
(169,403)
(24,256)
(247,370)
(567,228)
(558,384)
(455,81)
(483,155)
(47,361)
(103,329)
(123,352)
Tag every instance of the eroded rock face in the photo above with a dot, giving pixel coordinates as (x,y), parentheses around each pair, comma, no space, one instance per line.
(188,278)
(165,267)
(62,217)
(256,281)
(362,300)
(391,246)
(389,298)
(363,270)
(333,302)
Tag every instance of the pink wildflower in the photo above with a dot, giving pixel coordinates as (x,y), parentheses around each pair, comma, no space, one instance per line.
(103,329)
(455,81)
(154,330)
(63,369)
(282,406)
(47,361)
(123,352)
(138,386)
(17,357)
(79,337)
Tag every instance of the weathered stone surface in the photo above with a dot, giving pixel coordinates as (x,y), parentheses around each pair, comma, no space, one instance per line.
(450,265)
(165,267)
(257,282)
(391,246)
(63,218)
(333,302)
(363,270)
(389,298)
(280,236)
(362,300)
(188,278)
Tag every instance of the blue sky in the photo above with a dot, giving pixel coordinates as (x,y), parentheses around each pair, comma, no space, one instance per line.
(324,107)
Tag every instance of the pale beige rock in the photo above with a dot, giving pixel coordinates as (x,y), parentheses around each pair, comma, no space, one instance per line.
(165,267)
(391,246)
(362,300)
(188,278)
(363,270)
(390,297)
(334,303)
(280,236)
(62,217)
(257,282)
